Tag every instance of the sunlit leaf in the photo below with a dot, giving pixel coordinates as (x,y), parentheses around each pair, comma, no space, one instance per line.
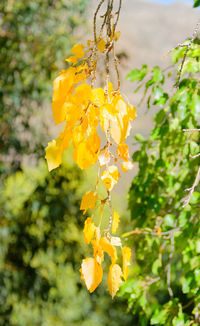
(89,200)
(114,279)
(115,222)
(126,252)
(89,230)
(91,273)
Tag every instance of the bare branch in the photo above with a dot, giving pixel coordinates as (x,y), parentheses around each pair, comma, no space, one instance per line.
(191,130)
(194,156)
(138,231)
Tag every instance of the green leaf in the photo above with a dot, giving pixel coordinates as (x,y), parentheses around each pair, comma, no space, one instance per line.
(159,317)
(186,284)
(196,106)
(137,74)
(156,266)
(191,66)
(169,220)
(196,3)
(179,321)
(195,199)
(194,148)
(158,77)
(140,138)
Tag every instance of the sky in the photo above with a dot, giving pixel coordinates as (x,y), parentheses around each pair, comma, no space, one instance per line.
(165,2)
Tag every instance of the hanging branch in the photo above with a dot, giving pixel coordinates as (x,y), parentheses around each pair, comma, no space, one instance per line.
(84,108)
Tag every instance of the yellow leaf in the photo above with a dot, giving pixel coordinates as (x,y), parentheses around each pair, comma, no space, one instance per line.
(89,42)
(98,252)
(72,59)
(89,200)
(115,222)
(62,87)
(54,154)
(81,67)
(120,126)
(126,127)
(89,230)
(104,157)
(79,134)
(110,177)
(82,93)
(78,50)
(126,252)
(98,96)
(114,279)
(83,157)
(127,166)
(93,142)
(92,117)
(80,77)
(132,112)
(101,45)
(123,151)
(91,273)
(110,109)
(86,153)
(55,148)
(116,241)
(109,249)
(116,36)
(115,130)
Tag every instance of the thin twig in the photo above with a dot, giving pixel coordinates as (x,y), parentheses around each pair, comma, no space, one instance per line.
(95,20)
(191,130)
(138,231)
(153,280)
(194,156)
(188,46)
(191,190)
(188,304)
(168,267)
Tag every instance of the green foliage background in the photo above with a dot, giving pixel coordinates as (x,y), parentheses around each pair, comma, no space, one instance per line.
(34,38)
(165,284)
(41,226)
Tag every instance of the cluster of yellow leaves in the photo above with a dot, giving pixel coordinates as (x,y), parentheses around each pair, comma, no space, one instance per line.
(83,109)
(91,268)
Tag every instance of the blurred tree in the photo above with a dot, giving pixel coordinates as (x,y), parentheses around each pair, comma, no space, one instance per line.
(34,36)
(164,287)
(41,245)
